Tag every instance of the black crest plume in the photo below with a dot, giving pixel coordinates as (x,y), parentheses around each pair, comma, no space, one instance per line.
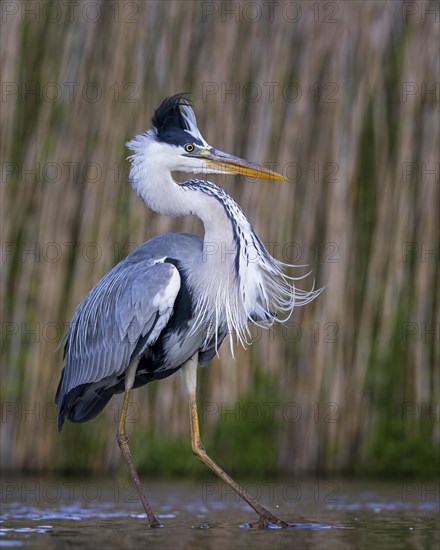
(168,119)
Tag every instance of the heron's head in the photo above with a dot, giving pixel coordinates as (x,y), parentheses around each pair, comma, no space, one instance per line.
(175,143)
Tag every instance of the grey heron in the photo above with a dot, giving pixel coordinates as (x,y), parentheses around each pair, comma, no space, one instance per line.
(171,302)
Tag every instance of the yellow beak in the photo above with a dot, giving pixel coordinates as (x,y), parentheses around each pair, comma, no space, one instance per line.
(234,165)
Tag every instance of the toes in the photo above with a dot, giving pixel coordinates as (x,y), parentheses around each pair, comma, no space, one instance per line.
(265,521)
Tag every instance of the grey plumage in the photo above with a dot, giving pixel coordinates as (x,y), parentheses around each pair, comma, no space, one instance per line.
(121,319)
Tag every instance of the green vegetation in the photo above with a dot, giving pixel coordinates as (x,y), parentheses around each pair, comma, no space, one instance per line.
(394,452)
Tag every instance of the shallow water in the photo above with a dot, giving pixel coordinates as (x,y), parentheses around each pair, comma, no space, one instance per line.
(42,513)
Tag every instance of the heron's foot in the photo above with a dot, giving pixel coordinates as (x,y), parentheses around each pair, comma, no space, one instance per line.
(268,519)
(155,523)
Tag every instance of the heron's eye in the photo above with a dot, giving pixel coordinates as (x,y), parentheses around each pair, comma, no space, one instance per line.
(189,147)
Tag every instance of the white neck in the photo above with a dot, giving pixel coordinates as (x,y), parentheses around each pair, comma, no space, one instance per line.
(154,184)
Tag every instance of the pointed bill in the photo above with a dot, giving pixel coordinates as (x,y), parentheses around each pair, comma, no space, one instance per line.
(234,165)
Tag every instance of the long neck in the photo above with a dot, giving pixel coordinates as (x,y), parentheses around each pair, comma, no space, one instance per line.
(228,232)
(226,226)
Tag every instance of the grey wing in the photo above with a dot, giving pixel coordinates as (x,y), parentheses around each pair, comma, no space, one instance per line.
(121,316)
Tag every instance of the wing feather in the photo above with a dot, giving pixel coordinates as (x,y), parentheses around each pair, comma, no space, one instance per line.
(121,316)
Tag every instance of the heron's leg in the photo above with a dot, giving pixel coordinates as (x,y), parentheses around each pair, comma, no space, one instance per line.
(265,516)
(122,438)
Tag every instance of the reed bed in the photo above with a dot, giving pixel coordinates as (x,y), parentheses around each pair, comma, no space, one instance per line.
(348,104)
